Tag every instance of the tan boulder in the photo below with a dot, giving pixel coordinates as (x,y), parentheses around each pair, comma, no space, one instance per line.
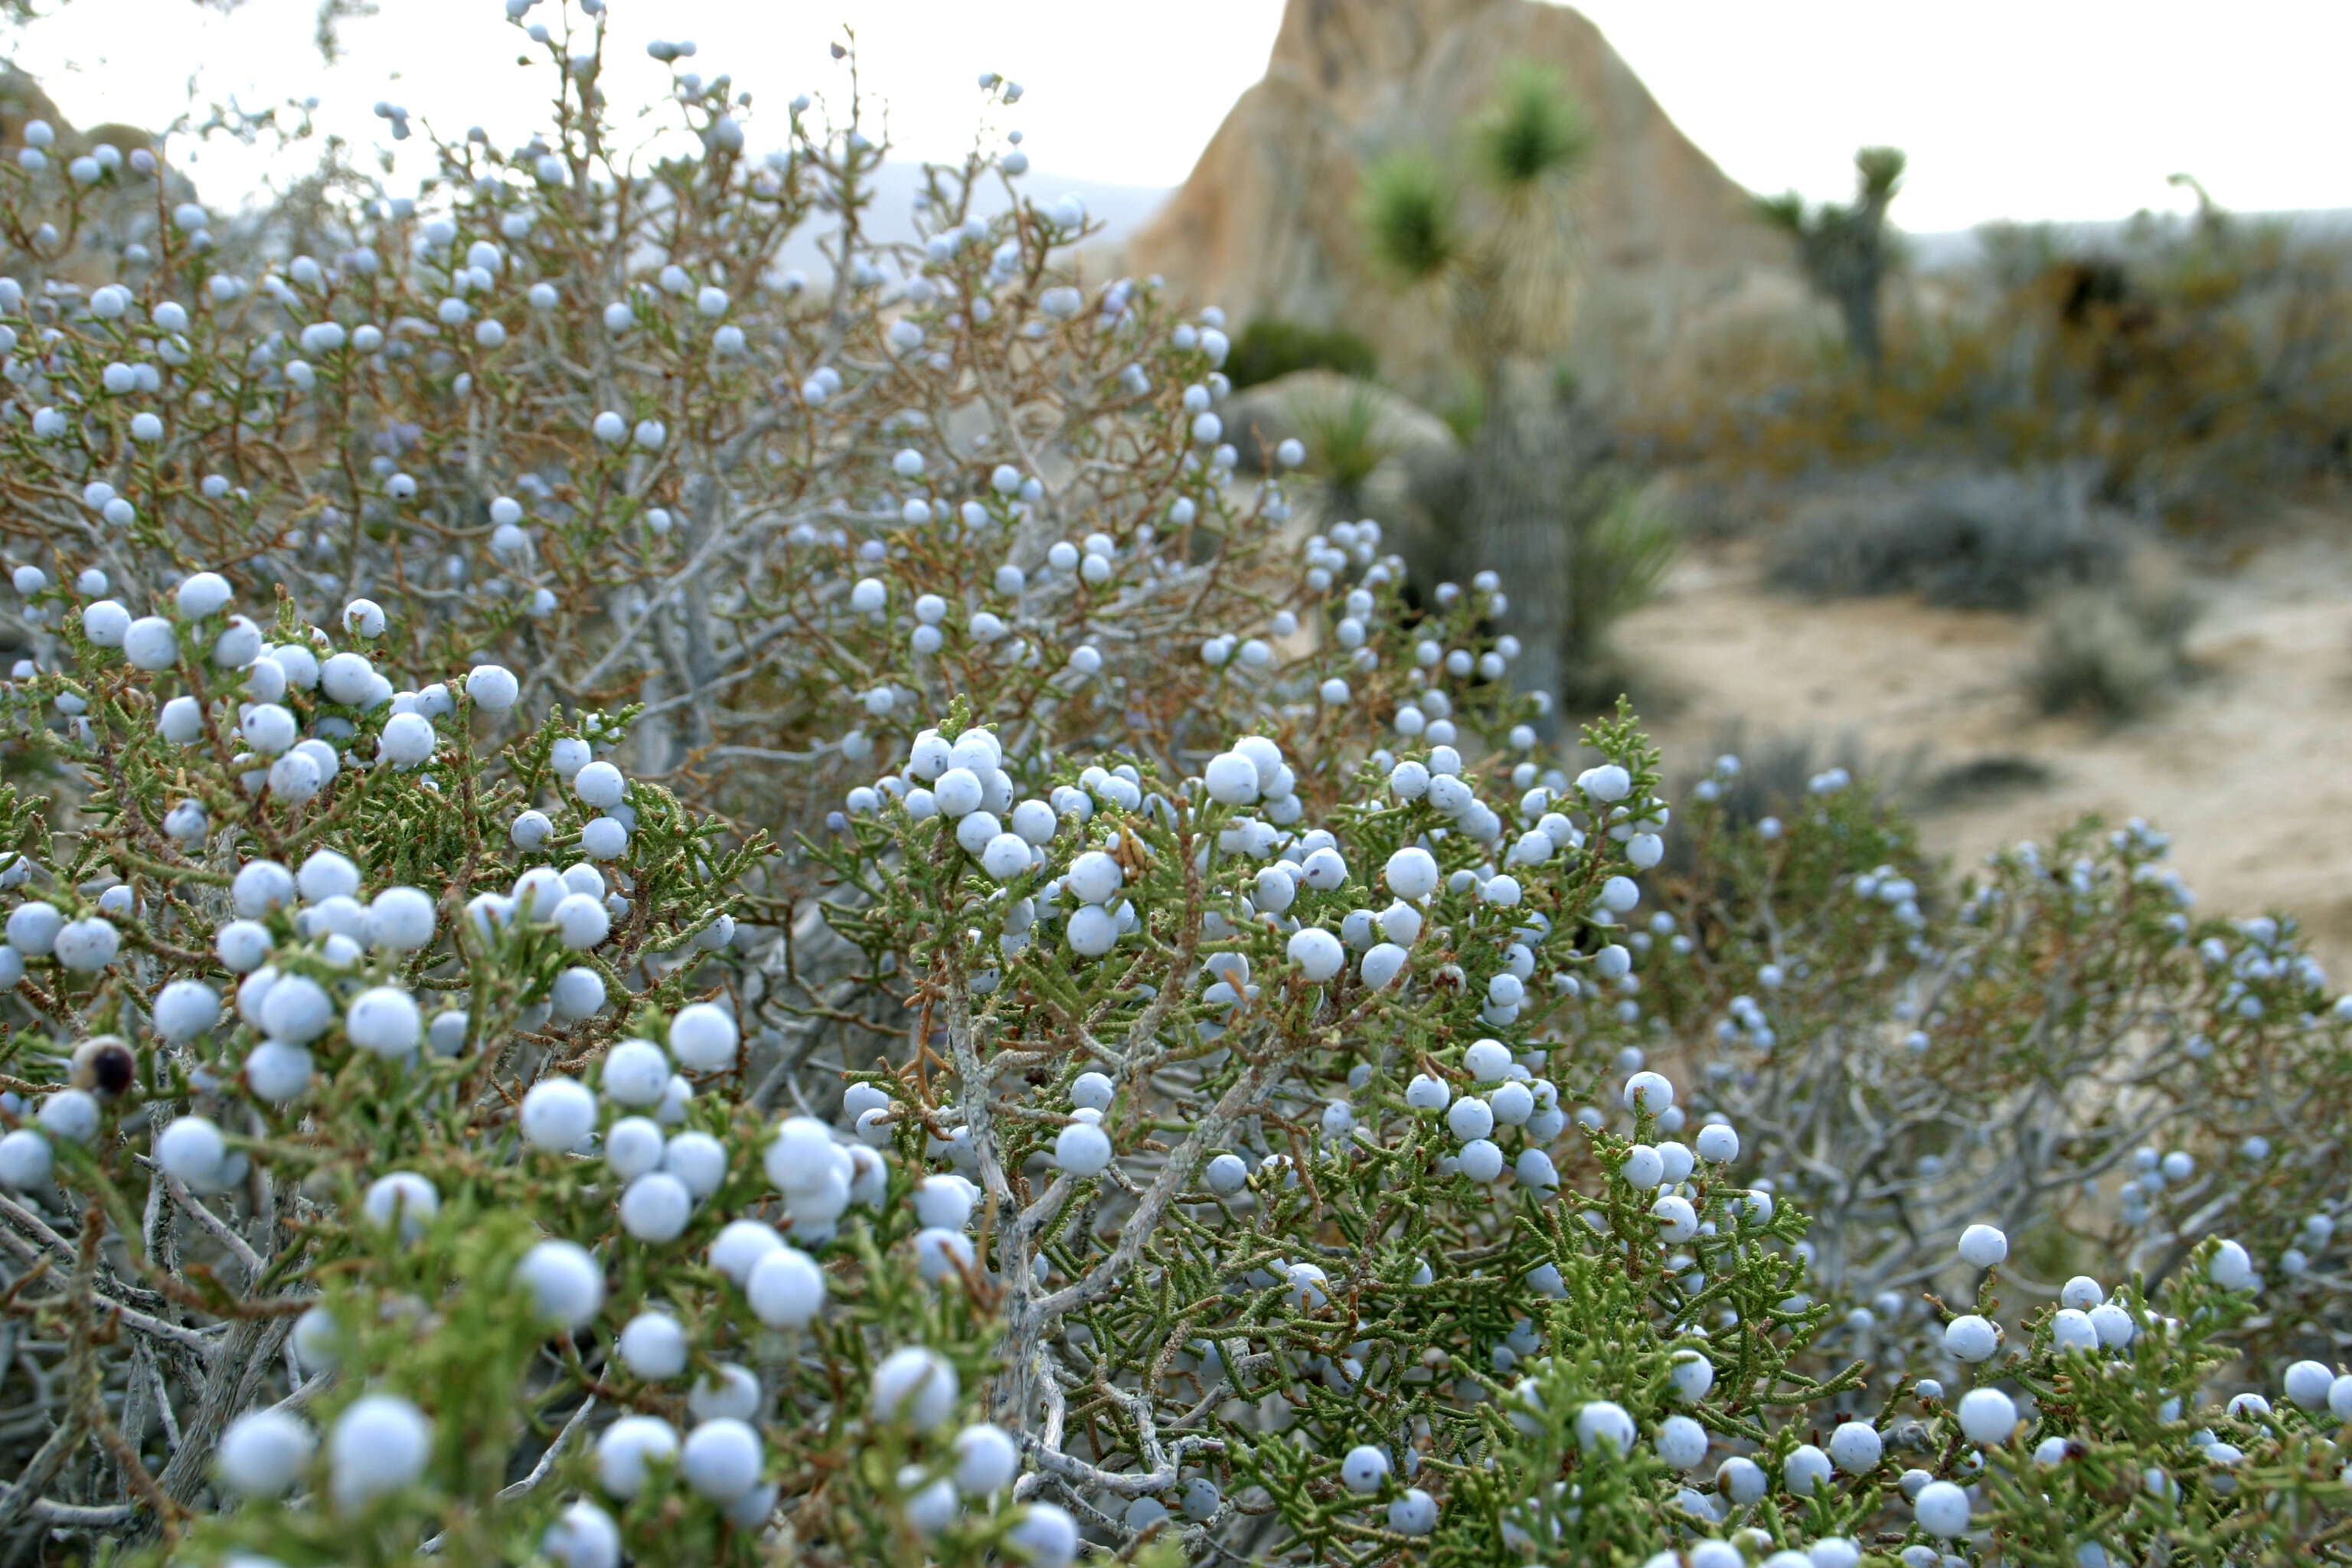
(1403,443)
(22,102)
(1266,225)
(1260,418)
(123,210)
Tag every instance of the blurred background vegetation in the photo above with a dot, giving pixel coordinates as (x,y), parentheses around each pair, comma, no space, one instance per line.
(2199,368)
(2047,428)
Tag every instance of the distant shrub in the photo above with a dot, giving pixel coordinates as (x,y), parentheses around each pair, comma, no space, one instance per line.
(1269,347)
(1995,539)
(1781,770)
(1776,772)
(2115,650)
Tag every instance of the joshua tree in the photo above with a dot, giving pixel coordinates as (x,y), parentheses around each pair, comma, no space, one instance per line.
(1504,264)
(1845,251)
(1532,495)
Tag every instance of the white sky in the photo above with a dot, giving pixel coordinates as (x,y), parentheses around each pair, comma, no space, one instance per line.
(2056,108)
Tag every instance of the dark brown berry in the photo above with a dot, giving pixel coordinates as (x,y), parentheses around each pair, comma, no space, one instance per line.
(104,1066)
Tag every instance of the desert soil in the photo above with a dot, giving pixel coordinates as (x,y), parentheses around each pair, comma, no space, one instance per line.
(2249,766)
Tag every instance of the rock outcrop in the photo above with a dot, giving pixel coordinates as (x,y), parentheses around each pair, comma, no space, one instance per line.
(1266,225)
(123,210)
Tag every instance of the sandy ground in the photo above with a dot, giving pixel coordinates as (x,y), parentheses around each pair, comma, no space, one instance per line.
(2250,766)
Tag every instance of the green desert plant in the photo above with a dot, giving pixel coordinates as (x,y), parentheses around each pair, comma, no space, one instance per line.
(1534,132)
(1341,428)
(1619,561)
(1410,216)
